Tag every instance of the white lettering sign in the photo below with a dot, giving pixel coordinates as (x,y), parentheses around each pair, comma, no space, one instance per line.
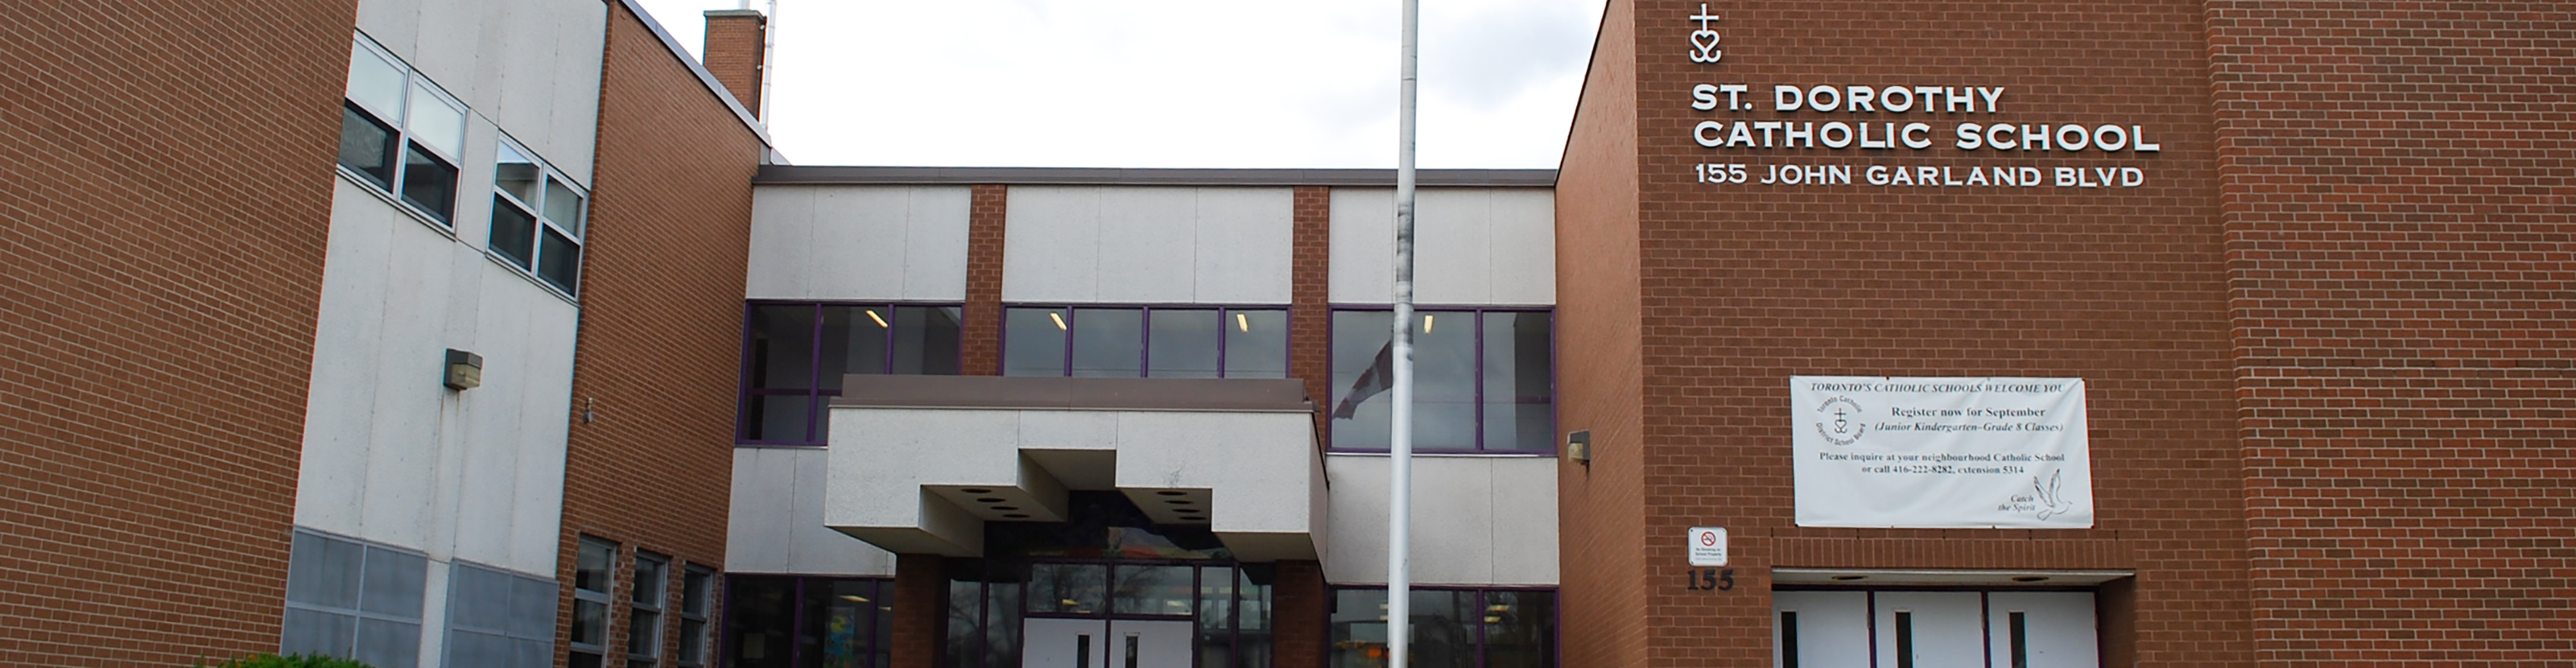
(1940,453)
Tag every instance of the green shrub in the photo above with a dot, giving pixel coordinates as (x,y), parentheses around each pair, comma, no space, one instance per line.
(275,661)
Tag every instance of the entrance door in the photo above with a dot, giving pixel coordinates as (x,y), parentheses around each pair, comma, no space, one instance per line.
(1065,643)
(1934,629)
(1135,643)
(1105,643)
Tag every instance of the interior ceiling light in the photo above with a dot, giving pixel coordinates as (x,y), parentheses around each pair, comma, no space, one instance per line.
(1242,323)
(872,315)
(1058,318)
(1426,323)
(854,598)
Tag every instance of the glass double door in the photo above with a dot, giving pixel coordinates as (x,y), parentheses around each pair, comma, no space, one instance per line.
(1106,643)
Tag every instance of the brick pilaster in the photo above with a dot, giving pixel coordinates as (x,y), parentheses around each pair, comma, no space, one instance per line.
(1310,317)
(982,338)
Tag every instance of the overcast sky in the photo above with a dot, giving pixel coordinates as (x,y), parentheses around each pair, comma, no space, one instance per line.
(1163,83)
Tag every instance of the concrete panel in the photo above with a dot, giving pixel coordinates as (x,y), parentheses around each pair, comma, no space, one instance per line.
(1246,237)
(1068,430)
(1363,246)
(935,242)
(1524,512)
(333,463)
(782,235)
(524,105)
(545,423)
(491,416)
(1453,513)
(451,47)
(874,483)
(1453,246)
(1523,269)
(1468,513)
(1051,245)
(1241,457)
(405,435)
(758,538)
(581,35)
(812,547)
(395,24)
(859,243)
(1148,244)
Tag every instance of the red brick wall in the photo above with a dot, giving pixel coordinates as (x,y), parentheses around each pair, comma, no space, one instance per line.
(981,336)
(2397,212)
(1601,508)
(1300,616)
(920,610)
(1744,286)
(734,52)
(661,331)
(163,219)
(1310,315)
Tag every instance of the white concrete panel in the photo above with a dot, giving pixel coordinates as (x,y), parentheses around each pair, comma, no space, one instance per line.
(332,470)
(1068,430)
(858,243)
(524,105)
(881,459)
(490,418)
(1051,244)
(935,242)
(1477,520)
(1833,627)
(1148,244)
(1453,246)
(580,39)
(1358,519)
(812,547)
(394,24)
(1242,456)
(1453,514)
(1523,270)
(1245,246)
(407,429)
(782,238)
(451,45)
(1524,511)
(757,536)
(1363,245)
(545,423)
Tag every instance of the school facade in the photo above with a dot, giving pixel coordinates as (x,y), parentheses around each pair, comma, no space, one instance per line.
(473,333)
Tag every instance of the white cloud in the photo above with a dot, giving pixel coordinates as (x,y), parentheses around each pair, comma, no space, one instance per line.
(1164,83)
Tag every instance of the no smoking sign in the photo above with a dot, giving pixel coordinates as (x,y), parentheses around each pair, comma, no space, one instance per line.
(1708,546)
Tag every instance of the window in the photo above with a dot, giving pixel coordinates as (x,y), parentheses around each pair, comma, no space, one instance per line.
(1152,342)
(1483,380)
(696,584)
(499,619)
(644,616)
(400,133)
(594,576)
(353,600)
(1452,628)
(792,622)
(795,353)
(536,218)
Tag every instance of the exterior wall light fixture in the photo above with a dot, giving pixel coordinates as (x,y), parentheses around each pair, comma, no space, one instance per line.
(1578,447)
(464,370)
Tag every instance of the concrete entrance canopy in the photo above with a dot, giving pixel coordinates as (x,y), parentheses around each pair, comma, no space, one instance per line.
(918,464)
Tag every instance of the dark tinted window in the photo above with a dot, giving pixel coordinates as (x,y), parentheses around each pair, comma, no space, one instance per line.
(1483,380)
(367,145)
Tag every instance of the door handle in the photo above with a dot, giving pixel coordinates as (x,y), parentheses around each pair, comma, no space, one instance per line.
(1082,651)
(1131,649)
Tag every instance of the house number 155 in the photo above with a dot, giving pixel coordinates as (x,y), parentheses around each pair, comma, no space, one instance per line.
(1711,579)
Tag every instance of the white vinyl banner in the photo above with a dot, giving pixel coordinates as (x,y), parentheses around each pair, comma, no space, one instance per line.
(1940,453)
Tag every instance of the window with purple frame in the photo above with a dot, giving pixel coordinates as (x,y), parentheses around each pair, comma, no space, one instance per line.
(1452,628)
(1145,342)
(795,353)
(1484,380)
(777,621)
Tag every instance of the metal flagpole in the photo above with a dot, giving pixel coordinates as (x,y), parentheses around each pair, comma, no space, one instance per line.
(1399,522)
